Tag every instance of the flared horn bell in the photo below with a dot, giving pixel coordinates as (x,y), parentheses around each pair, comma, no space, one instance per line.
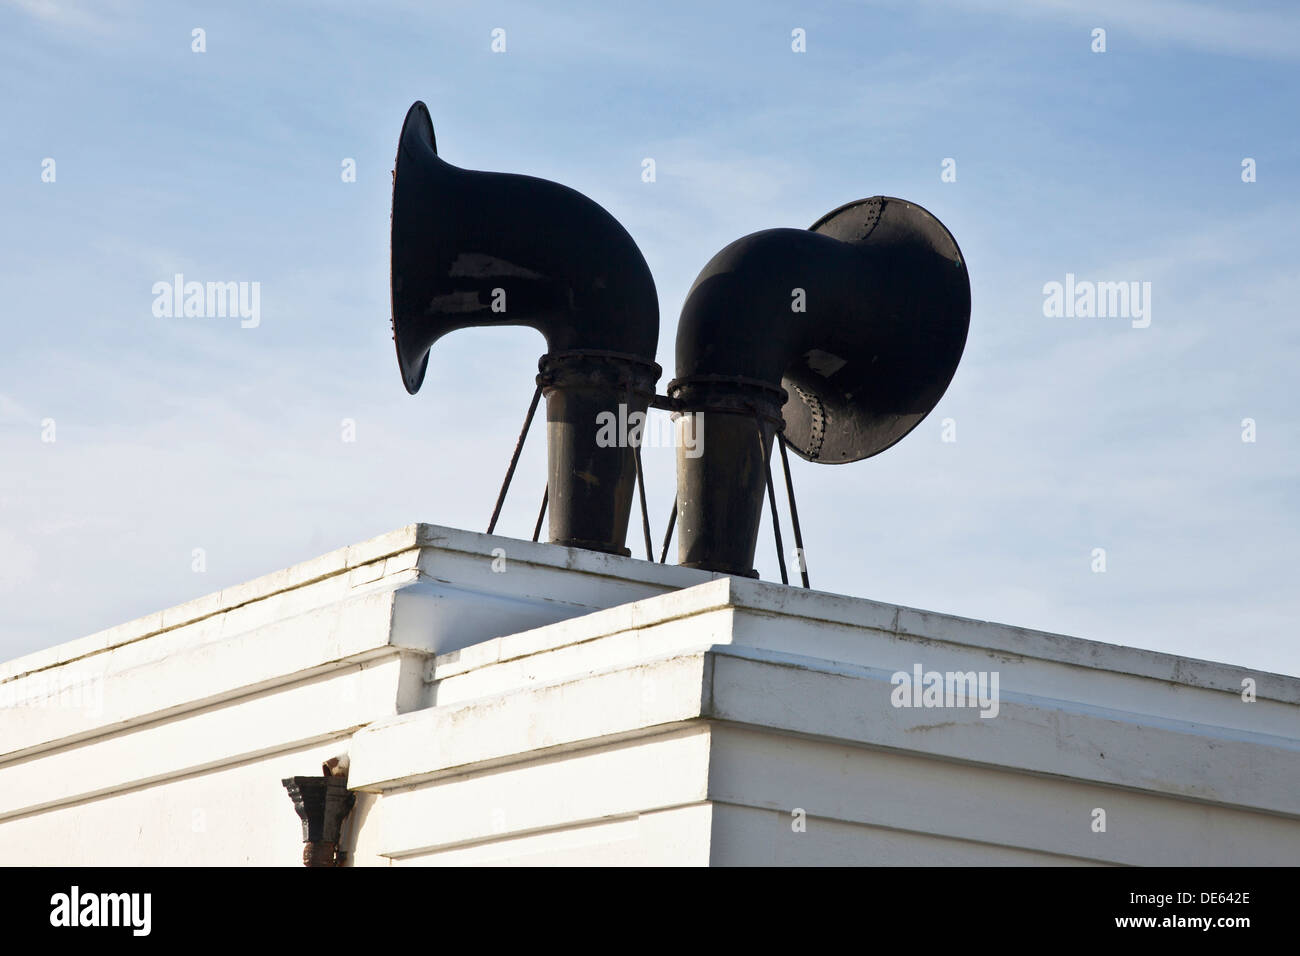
(475,248)
(845,336)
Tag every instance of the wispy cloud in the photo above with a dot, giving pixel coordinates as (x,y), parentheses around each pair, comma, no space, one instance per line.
(85,16)
(1237,29)
(184,433)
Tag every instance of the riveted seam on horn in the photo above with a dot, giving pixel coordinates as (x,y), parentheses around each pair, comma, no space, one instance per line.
(874,206)
(817,431)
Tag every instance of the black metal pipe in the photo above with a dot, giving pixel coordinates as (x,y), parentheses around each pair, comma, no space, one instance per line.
(848,332)
(474,248)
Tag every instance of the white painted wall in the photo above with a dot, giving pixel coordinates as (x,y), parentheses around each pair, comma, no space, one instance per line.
(579,708)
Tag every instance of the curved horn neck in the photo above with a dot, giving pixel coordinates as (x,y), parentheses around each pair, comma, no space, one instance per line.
(474,248)
(845,336)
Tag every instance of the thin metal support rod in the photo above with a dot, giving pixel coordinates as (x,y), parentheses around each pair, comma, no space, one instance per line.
(645,514)
(514,460)
(794,511)
(640,479)
(537,528)
(668,535)
(771,499)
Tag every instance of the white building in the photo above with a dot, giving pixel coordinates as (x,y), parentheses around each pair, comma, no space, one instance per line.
(508,702)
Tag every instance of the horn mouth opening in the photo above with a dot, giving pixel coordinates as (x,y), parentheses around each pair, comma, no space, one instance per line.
(864,390)
(416,149)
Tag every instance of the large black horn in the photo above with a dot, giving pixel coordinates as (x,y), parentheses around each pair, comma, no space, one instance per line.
(474,249)
(845,335)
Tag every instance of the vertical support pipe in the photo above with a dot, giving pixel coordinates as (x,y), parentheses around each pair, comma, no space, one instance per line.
(592,478)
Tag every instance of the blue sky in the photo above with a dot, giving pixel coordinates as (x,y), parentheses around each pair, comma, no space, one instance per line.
(1072,434)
